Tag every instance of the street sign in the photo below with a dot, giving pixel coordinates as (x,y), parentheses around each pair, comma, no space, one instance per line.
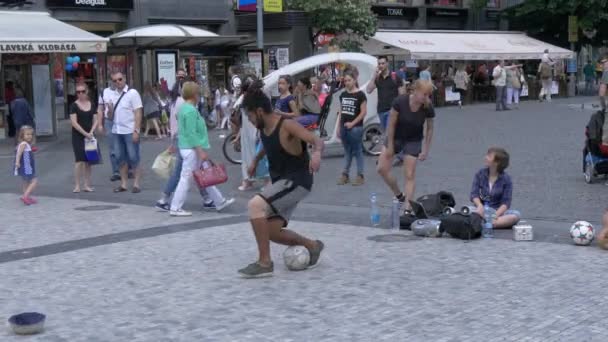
(571,66)
(273,6)
(573,29)
(247,5)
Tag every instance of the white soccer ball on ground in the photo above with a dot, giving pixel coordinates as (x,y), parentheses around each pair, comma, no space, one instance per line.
(582,233)
(296,258)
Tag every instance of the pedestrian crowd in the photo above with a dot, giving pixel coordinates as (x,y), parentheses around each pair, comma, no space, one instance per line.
(275,140)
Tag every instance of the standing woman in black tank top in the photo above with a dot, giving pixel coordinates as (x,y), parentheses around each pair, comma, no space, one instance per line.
(409,130)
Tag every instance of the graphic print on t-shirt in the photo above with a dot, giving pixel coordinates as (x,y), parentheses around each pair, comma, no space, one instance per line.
(349,106)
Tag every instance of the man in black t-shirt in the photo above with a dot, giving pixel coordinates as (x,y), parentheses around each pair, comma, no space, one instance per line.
(388,85)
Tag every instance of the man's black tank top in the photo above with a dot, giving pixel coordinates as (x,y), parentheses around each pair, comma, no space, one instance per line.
(284,165)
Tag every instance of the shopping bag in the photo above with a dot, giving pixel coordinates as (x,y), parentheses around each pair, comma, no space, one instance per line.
(210,174)
(262,170)
(91,150)
(163,164)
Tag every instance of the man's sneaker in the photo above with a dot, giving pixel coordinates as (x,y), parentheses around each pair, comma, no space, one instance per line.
(343,180)
(162,206)
(180,213)
(224,204)
(256,270)
(360,180)
(315,254)
(209,206)
(114,178)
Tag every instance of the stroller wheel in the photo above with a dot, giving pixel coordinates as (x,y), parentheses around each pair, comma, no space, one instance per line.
(589,173)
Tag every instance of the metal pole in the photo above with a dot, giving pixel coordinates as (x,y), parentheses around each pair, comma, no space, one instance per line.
(260,13)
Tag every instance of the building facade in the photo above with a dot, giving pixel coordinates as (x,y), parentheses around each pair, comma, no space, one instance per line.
(438,15)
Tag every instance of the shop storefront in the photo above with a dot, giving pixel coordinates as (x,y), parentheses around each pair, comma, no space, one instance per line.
(477,50)
(102,18)
(34,50)
(159,50)
(287,38)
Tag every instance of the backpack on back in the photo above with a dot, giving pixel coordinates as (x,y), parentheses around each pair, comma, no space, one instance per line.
(545,71)
(461,226)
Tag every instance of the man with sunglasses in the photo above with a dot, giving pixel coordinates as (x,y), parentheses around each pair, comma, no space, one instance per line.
(125,109)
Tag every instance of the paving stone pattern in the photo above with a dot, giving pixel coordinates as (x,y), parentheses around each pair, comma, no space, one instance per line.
(184,287)
(55,220)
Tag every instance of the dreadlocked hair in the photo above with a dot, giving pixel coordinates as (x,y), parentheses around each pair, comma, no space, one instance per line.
(256,98)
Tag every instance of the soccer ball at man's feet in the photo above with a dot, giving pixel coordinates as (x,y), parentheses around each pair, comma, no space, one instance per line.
(582,233)
(296,258)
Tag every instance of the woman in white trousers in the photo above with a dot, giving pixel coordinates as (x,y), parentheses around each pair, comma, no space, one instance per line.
(192,141)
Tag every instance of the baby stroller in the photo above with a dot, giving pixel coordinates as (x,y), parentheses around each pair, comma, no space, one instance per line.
(595,161)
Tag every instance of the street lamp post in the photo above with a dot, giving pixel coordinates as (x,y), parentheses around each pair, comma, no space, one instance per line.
(260,17)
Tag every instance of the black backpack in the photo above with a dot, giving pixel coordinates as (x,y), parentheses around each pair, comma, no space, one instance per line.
(461,226)
(435,204)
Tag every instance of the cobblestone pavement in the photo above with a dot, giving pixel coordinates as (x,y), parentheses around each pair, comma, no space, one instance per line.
(184,287)
(109,267)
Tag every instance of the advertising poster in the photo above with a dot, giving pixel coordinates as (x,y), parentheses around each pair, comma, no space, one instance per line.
(58,70)
(273,64)
(166,66)
(255,59)
(282,57)
(43,104)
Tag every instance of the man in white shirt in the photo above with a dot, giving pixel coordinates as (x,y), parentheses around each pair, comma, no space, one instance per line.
(125,108)
(500,81)
(106,129)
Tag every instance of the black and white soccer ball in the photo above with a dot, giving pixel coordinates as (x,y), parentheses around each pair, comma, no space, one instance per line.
(582,233)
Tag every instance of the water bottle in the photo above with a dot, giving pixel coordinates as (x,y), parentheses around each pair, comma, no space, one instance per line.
(488,215)
(395,209)
(374,214)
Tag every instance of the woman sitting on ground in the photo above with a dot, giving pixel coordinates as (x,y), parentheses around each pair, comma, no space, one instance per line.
(493,186)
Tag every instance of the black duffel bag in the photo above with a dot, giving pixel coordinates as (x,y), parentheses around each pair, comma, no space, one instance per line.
(435,204)
(461,226)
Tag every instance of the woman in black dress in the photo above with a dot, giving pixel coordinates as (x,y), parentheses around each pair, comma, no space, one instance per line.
(84,122)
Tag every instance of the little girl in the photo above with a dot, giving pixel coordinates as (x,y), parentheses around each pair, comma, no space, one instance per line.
(24,164)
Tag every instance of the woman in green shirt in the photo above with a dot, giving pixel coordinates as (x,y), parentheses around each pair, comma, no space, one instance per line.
(192,141)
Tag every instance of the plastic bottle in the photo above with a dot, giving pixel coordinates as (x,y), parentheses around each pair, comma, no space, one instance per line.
(374,214)
(488,214)
(395,209)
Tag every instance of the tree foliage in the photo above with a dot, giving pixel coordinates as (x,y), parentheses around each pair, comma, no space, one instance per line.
(549,18)
(351,19)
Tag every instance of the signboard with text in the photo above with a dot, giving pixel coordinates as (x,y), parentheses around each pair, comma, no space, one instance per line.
(50,47)
(573,29)
(384,11)
(92,4)
(247,5)
(166,67)
(273,6)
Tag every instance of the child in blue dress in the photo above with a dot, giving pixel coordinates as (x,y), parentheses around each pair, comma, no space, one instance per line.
(24,164)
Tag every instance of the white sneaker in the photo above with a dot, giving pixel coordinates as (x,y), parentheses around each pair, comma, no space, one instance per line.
(224,204)
(180,213)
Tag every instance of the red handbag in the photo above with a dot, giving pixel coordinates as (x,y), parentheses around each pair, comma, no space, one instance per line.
(210,176)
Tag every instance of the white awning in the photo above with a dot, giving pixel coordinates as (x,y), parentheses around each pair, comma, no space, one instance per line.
(461,45)
(173,36)
(38,32)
